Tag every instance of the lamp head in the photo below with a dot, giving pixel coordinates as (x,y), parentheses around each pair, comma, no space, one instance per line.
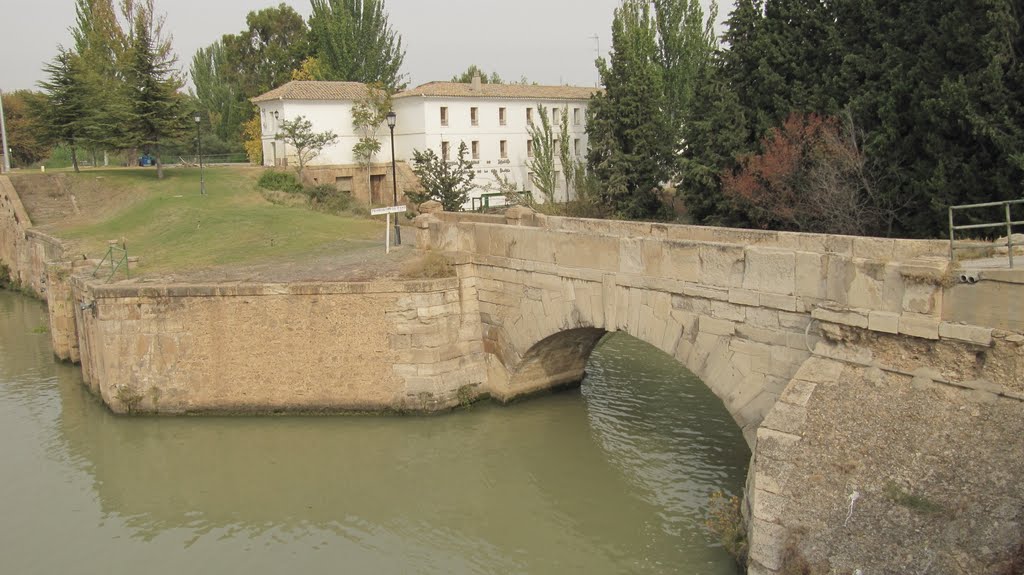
(196,117)
(392,119)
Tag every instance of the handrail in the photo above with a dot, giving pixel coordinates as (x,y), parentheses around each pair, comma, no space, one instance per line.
(114,266)
(1008,222)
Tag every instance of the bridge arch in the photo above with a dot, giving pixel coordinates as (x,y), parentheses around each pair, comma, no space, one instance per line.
(543,331)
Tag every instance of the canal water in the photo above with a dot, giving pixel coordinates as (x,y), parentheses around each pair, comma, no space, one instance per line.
(611,478)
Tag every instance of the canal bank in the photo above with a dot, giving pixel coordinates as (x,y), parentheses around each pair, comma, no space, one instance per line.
(611,478)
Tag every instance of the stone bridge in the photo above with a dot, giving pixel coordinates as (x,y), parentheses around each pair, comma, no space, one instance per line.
(767,320)
(743,310)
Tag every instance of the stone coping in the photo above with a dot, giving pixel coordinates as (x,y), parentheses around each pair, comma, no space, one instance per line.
(103,291)
(854,246)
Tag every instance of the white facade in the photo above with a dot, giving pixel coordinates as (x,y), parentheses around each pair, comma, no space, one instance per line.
(335,116)
(492,120)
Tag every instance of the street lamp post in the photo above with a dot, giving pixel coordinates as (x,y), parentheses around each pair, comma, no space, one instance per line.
(392,119)
(199,145)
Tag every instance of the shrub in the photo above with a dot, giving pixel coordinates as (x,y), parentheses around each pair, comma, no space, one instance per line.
(431,266)
(725,520)
(280,182)
(327,198)
(5,276)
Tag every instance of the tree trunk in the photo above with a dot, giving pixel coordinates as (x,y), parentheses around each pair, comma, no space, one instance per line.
(159,164)
(74,158)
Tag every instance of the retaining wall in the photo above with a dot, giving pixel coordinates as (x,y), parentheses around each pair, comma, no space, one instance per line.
(23,249)
(275,347)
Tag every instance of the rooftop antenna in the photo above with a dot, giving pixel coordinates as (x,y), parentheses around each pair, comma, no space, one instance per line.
(597,39)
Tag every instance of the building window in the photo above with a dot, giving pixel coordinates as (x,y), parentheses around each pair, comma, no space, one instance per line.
(576,146)
(556,145)
(529,116)
(503,148)
(529,182)
(575,116)
(444,115)
(501,116)
(529,148)
(445,148)
(476,149)
(474,116)
(554,116)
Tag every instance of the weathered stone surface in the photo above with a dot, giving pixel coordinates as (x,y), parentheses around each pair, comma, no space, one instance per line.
(923,326)
(884,322)
(967,333)
(770,271)
(851,317)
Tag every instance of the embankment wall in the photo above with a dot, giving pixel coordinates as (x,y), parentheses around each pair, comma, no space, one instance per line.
(23,249)
(260,348)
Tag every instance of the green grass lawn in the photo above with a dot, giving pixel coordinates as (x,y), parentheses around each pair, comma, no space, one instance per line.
(174,228)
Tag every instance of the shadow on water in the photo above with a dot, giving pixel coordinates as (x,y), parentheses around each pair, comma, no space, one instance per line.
(615,482)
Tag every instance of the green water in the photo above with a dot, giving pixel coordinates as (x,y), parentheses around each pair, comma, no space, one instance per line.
(611,478)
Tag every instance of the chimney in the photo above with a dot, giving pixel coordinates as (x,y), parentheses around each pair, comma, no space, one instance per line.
(476,82)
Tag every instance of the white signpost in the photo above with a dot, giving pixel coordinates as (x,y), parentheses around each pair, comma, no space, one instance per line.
(387,224)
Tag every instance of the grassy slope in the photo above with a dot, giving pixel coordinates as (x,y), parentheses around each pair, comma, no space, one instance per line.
(173,228)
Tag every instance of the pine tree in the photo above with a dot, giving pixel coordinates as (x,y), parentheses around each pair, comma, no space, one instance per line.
(62,114)
(630,131)
(157,110)
(354,42)
(938,87)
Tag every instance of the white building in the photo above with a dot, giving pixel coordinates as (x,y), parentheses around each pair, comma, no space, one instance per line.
(492,120)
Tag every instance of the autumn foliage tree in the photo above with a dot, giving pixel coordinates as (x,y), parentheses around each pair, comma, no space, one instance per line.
(812,177)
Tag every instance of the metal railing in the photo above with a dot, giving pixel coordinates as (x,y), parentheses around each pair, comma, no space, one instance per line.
(483,202)
(1008,223)
(117,256)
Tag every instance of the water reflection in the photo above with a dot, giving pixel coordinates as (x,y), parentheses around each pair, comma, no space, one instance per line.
(611,483)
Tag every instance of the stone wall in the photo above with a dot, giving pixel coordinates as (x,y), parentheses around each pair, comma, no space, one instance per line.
(742,309)
(272,348)
(22,248)
(763,318)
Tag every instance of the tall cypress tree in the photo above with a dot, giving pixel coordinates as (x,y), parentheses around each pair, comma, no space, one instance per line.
(631,148)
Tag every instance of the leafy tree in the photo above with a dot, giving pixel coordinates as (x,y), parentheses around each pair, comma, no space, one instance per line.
(309,69)
(62,116)
(299,134)
(473,71)
(629,151)
(354,42)
(571,166)
(686,41)
(220,99)
(542,163)
(368,113)
(262,57)
(151,85)
(446,182)
(102,46)
(274,44)
(252,140)
(814,177)
(25,136)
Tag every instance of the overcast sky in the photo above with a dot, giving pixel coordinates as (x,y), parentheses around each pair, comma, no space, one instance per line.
(548,41)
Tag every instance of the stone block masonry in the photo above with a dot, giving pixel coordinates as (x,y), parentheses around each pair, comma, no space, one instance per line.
(318,347)
(23,249)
